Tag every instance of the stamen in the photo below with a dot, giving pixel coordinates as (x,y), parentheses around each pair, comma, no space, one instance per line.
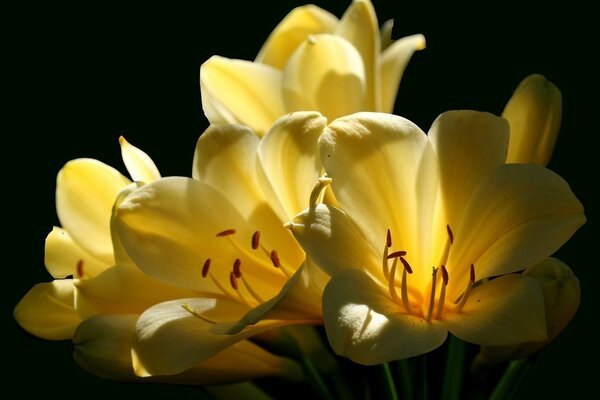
(237,271)
(465,296)
(404,287)
(195,314)
(205,268)
(407,266)
(322,183)
(275,259)
(392,282)
(255,240)
(233,280)
(251,291)
(450,234)
(226,232)
(384,262)
(449,242)
(432,295)
(388,241)
(442,299)
(396,254)
(80,268)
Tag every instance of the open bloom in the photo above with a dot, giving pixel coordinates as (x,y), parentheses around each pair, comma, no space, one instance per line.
(221,235)
(99,305)
(431,229)
(311,61)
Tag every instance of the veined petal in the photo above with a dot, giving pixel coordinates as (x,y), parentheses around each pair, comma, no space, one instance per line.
(139,165)
(383,176)
(469,145)
(85,192)
(363,324)
(103,348)
(533,112)
(47,310)
(360,27)
(293,30)
(169,339)
(325,74)
(237,91)
(62,255)
(289,159)
(329,237)
(501,312)
(169,229)
(517,217)
(394,60)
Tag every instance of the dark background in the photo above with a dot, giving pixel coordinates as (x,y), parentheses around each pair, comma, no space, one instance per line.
(80,76)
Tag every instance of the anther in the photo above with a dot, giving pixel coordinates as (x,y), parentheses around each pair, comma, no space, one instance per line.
(226,232)
(472,274)
(388,238)
(80,268)
(396,254)
(406,265)
(450,234)
(444,275)
(233,280)
(237,268)
(205,268)
(465,295)
(275,259)
(442,299)
(255,240)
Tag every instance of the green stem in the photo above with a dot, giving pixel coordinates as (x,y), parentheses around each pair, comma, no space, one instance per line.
(315,380)
(511,380)
(243,390)
(454,369)
(405,375)
(389,386)
(424,384)
(341,388)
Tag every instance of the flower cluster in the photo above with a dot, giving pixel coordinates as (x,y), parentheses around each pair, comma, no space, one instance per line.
(310,204)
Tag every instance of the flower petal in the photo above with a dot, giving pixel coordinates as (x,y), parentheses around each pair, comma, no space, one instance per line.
(359,26)
(363,324)
(501,312)
(85,192)
(47,310)
(394,60)
(139,165)
(289,157)
(62,255)
(103,348)
(383,177)
(385,34)
(237,91)
(325,74)
(293,30)
(533,112)
(517,217)
(170,340)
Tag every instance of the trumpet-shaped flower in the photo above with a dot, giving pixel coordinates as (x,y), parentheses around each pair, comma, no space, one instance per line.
(221,235)
(311,61)
(432,229)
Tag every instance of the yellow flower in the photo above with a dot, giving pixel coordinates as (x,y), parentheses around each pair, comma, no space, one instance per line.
(221,236)
(426,221)
(98,307)
(311,61)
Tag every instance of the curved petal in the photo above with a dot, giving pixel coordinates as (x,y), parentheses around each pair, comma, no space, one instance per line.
(237,91)
(85,192)
(359,26)
(169,229)
(169,339)
(385,34)
(504,311)
(289,159)
(139,165)
(469,145)
(62,256)
(394,60)
(103,348)
(363,324)
(384,177)
(325,74)
(47,310)
(517,217)
(331,240)
(293,30)
(533,112)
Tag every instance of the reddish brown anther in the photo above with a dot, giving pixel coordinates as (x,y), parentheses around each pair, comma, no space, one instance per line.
(388,239)
(275,259)
(80,268)
(205,268)
(406,265)
(237,265)
(472,273)
(255,240)
(226,232)
(395,254)
(233,280)
(445,275)
(450,234)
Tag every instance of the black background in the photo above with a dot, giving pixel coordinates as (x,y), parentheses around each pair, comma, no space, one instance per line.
(80,76)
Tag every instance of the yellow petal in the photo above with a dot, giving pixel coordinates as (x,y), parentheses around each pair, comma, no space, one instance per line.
(360,27)
(534,113)
(62,255)
(469,145)
(293,30)
(290,161)
(85,192)
(236,91)
(170,340)
(504,311)
(394,60)
(386,34)
(384,177)
(139,165)
(47,310)
(517,217)
(325,74)
(363,324)
(103,348)
(331,240)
